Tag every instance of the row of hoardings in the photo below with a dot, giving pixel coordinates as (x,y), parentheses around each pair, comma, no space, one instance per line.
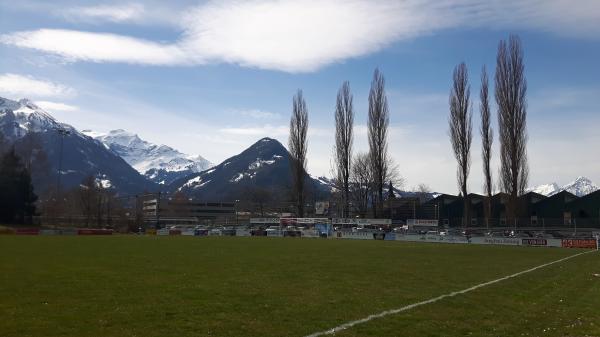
(61,231)
(481,240)
(434,238)
(311,233)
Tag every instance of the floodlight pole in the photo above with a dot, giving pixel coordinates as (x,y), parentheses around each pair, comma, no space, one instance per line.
(62,132)
(236,213)
(157,209)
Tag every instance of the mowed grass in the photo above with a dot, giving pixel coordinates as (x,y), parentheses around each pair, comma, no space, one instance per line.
(228,286)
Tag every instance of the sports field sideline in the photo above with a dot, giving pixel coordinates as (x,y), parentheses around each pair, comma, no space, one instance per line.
(233,286)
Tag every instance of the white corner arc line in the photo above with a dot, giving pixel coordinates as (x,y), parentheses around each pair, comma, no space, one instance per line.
(435,299)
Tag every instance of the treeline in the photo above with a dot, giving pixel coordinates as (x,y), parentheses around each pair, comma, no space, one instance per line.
(88,204)
(360,179)
(510,93)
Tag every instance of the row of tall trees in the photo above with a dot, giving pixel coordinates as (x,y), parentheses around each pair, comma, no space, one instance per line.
(360,178)
(510,94)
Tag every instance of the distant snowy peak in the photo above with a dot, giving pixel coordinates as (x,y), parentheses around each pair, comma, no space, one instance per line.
(160,163)
(546,189)
(23,116)
(580,187)
(81,156)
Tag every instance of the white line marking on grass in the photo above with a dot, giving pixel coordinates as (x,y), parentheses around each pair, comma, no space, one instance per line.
(435,299)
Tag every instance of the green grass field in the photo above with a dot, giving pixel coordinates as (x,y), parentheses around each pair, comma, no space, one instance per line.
(220,286)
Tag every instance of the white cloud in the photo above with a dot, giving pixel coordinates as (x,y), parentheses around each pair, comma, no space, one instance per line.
(303,35)
(56,106)
(118,13)
(97,47)
(258,114)
(15,85)
(299,36)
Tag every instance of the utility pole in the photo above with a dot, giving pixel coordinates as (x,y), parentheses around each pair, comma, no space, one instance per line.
(62,132)
(236,213)
(157,210)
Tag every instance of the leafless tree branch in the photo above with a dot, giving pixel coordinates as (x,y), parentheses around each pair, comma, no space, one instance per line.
(487,139)
(510,93)
(298,147)
(461,130)
(344,122)
(378,123)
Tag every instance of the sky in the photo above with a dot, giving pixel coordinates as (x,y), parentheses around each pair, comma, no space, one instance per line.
(211,78)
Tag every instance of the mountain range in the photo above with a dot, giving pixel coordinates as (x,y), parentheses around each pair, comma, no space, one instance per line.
(32,130)
(160,164)
(123,161)
(263,166)
(579,187)
(128,164)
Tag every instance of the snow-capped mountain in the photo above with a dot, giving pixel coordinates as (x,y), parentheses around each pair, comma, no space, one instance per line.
(580,187)
(264,165)
(30,128)
(17,118)
(159,163)
(545,189)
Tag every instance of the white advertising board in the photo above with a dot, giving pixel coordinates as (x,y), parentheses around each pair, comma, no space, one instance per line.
(264,220)
(432,238)
(356,221)
(354,235)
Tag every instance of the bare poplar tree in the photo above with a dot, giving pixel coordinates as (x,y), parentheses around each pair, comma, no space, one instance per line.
(298,148)
(344,122)
(510,93)
(461,130)
(487,139)
(378,123)
(361,183)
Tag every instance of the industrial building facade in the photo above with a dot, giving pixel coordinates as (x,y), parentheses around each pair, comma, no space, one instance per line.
(165,211)
(561,209)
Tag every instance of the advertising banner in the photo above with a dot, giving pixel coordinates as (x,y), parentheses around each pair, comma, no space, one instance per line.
(534,242)
(579,243)
(85,231)
(355,221)
(49,232)
(27,231)
(162,231)
(481,240)
(434,238)
(422,222)
(242,232)
(355,235)
(259,221)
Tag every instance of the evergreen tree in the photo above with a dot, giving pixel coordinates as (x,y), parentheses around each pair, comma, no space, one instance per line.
(3,144)
(17,198)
